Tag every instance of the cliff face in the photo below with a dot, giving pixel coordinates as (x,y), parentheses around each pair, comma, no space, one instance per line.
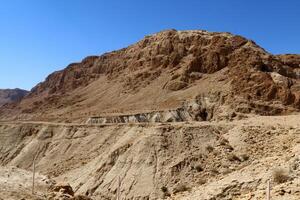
(11,95)
(168,68)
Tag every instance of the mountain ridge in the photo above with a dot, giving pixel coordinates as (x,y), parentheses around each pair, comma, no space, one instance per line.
(170,62)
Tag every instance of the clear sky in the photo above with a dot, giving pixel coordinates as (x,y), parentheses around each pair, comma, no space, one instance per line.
(38,37)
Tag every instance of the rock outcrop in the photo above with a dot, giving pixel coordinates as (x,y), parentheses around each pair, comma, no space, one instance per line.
(63,191)
(202,108)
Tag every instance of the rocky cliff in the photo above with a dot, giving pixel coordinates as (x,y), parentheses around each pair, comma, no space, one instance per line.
(168,68)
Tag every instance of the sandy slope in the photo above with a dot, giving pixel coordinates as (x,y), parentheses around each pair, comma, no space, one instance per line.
(148,157)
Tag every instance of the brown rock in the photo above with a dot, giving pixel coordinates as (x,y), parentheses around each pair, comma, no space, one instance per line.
(177,85)
(63,188)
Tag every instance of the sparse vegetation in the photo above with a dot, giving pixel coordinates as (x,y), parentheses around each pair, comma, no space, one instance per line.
(280,176)
(244,157)
(214,171)
(199,168)
(202,181)
(209,148)
(284,147)
(180,188)
(223,142)
(227,171)
(295,164)
(216,153)
(175,76)
(164,189)
(232,157)
(229,147)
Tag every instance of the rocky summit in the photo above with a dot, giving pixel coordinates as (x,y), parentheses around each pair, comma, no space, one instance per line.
(178,115)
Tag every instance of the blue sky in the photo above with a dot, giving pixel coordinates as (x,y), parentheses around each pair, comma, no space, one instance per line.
(38,37)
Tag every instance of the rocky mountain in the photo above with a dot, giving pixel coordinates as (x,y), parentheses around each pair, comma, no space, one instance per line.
(12,95)
(169,68)
(178,115)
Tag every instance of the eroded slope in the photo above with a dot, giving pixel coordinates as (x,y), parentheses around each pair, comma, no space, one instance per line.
(154,161)
(168,68)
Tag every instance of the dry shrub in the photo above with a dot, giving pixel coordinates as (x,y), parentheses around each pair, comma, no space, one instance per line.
(199,168)
(181,188)
(223,142)
(202,181)
(232,157)
(175,76)
(245,157)
(214,171)
(209,148)
(228,147)
(227,171)
(164,189)
(280,176)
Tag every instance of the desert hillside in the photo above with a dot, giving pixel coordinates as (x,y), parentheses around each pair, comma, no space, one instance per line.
(11,95)
(198,160)
(170,68)
(179,115)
